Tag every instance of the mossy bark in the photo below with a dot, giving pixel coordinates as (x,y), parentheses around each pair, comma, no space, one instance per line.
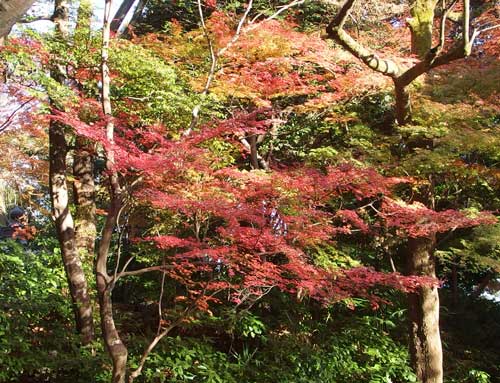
(421,25)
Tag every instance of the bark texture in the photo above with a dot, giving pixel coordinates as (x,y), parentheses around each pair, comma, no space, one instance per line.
(63,220)
(425,340)
(65,230)
(120,14)
(10,12)
(403,107)
(421,24)
(114,345)
(83,194)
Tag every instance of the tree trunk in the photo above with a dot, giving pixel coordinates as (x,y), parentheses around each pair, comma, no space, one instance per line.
(10,12)
(403,108)
(114,345)
(120,14)
(254,160)
(3,205)
(66,232)
(421,26)
(116,349)
(83,194)
(425,340)
(64,224)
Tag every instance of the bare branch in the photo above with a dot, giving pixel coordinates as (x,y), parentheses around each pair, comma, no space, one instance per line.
(336,32)
(195,114)
(238,30)
(162,289)
(466,23)
(143,271)
(165,332)
(488,28)
(275,14)
(10,118)
(29,20)
(150,348)
(119,245)
(442,31)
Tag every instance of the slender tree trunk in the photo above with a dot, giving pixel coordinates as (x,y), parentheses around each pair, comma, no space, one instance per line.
(66,232)
(83,159)
(64,224)
(83,194)
(254,160)
(425,340)
(114,345)
(421,26)
(3,206)
(116,348)
(403,107)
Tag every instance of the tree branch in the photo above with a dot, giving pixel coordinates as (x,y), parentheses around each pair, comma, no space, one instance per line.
(29,20)
(142,271)
(195,114)
(165,332)
(442,31)
(11,116)
(274,15)
(336,32)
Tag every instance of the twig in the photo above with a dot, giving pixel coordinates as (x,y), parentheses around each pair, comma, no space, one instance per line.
(489,28)
(119,246)
(391,261)
(9,119)
(37,18)
(444,17)
(165,332)
(162,288)
(143,271)
(279,11)
(213,65)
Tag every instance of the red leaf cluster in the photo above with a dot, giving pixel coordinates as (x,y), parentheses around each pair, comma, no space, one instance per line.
(416,220)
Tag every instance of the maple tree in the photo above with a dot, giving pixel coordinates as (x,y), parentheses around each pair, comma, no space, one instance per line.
(430,57)
(236,235)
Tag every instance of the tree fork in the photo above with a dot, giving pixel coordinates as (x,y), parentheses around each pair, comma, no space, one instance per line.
(432,58)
